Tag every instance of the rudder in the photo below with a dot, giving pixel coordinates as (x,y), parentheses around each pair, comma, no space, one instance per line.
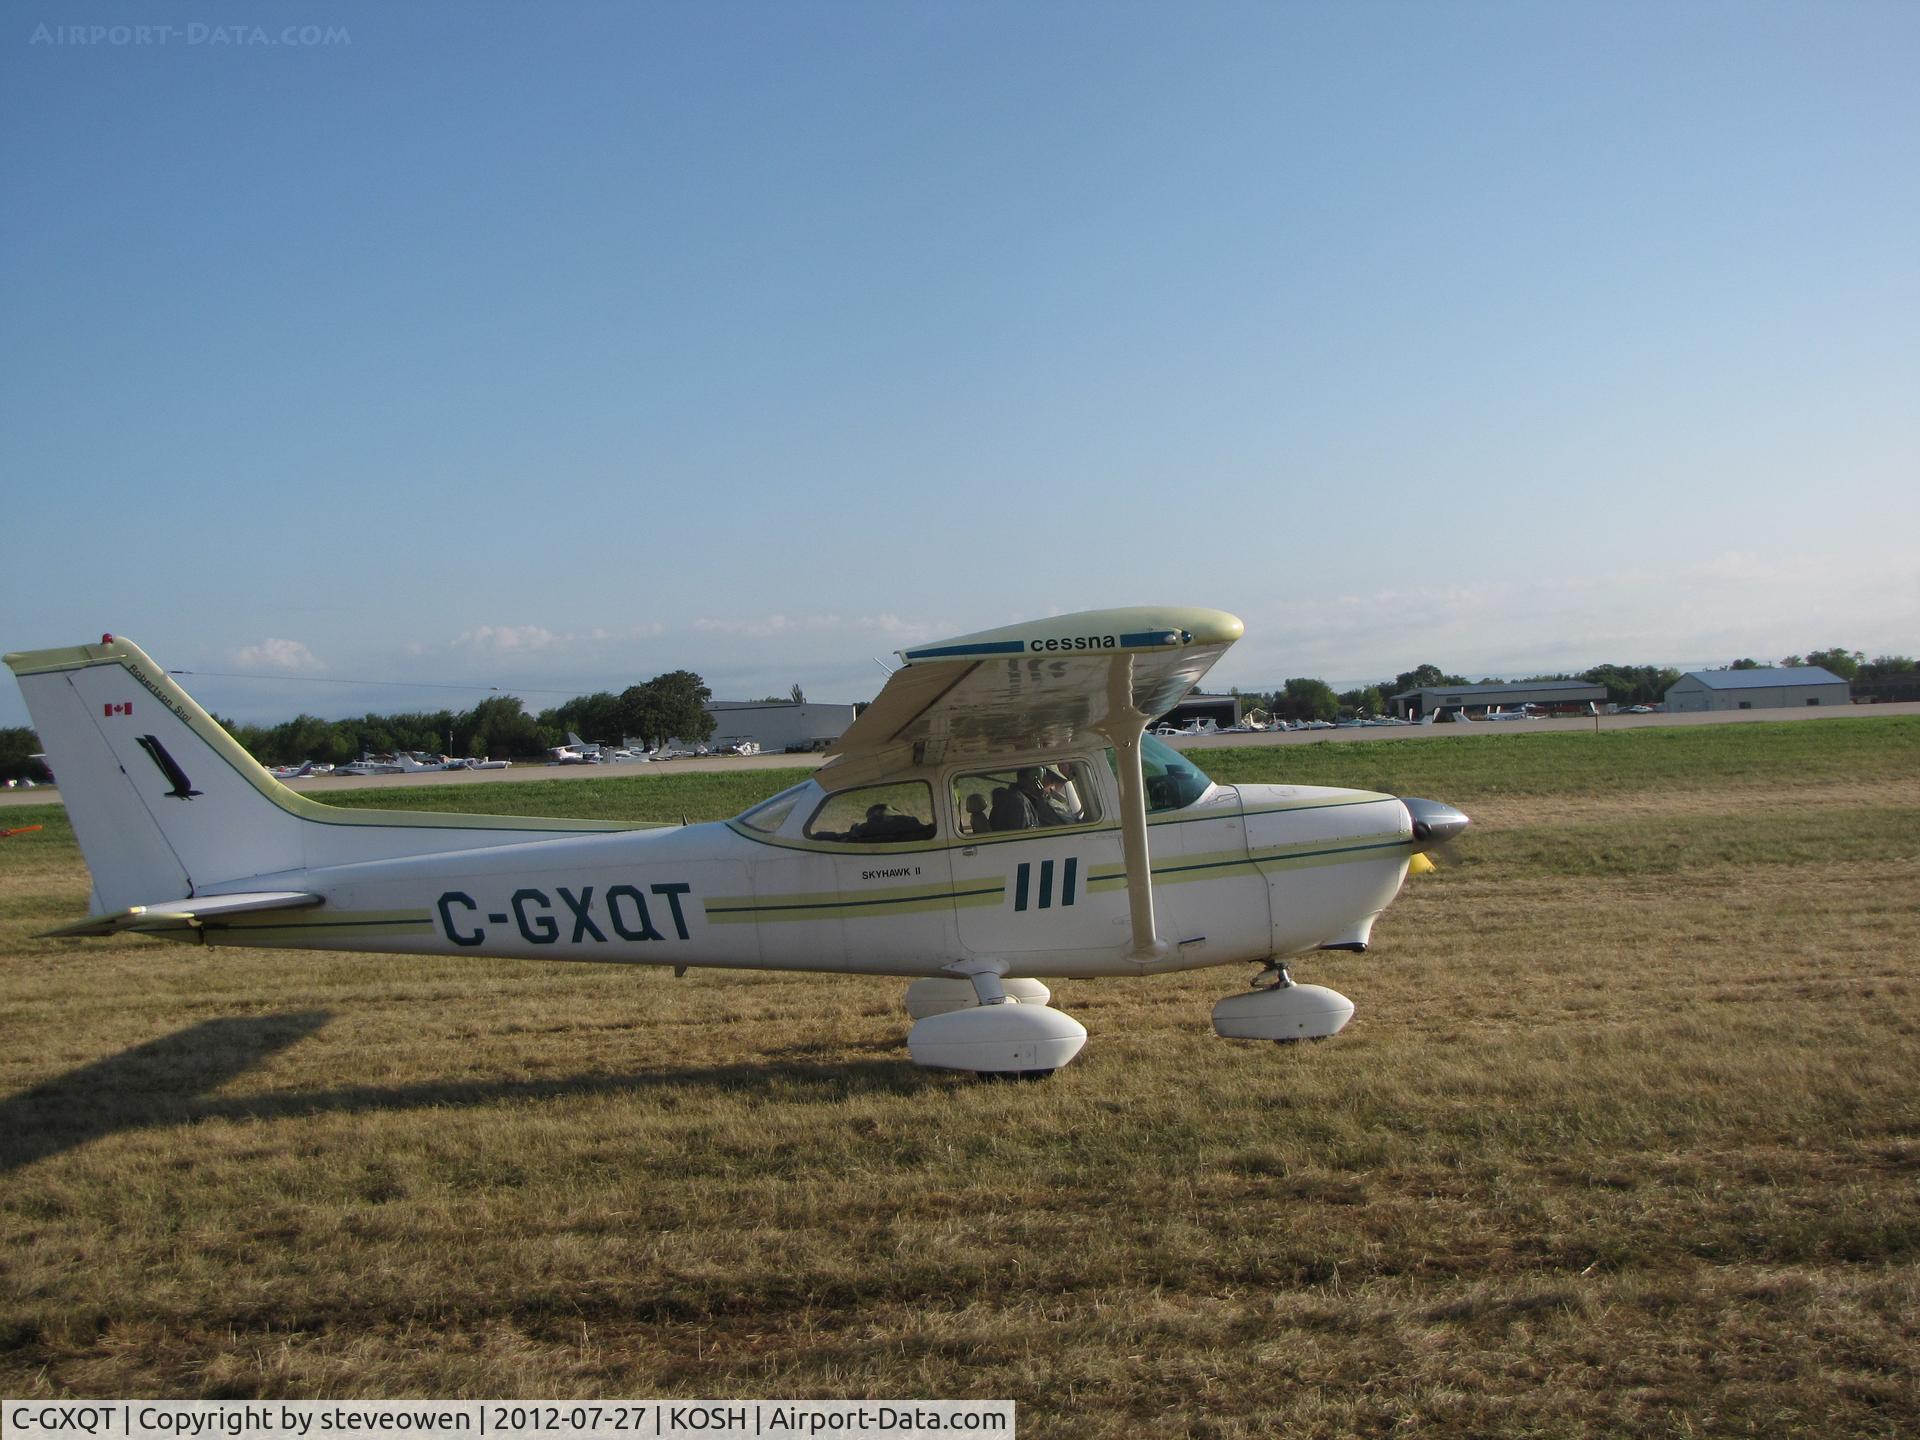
(163,801)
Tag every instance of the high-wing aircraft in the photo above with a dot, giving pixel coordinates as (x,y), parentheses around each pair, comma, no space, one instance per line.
(996,816)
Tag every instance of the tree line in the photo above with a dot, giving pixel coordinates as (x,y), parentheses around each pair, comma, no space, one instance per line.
(667,707)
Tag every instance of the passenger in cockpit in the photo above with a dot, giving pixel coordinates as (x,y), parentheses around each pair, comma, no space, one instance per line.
(977,823)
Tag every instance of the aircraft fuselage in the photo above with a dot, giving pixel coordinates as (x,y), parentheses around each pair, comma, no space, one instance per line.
(1241,874)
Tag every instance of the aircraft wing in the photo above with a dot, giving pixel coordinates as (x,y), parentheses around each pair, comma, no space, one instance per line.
(1038,686)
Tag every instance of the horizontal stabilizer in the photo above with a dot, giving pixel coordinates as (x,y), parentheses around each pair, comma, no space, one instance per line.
(181,914)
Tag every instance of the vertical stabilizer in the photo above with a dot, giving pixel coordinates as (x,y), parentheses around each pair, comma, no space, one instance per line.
(167,805)
(163,801)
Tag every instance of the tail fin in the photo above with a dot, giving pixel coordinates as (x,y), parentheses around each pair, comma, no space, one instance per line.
(163,801)
(166,804)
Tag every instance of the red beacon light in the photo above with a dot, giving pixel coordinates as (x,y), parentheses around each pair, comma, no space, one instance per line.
(106,639)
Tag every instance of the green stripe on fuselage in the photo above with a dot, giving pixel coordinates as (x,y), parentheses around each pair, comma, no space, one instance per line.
(829,905)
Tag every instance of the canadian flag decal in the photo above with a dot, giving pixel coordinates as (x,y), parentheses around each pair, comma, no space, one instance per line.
(125,707)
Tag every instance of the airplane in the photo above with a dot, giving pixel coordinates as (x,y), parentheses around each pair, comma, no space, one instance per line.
(395,762)
(575,752)
(301,771)
(996,817)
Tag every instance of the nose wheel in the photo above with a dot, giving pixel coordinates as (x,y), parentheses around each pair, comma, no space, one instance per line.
(1279,1008)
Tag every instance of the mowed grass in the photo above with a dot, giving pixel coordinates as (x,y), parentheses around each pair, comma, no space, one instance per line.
(1625,1139)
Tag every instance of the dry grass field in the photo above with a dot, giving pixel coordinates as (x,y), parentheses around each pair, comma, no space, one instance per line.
(1624,1140)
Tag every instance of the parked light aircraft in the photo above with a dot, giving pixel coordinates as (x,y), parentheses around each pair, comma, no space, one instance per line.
(575,752)
(997,815)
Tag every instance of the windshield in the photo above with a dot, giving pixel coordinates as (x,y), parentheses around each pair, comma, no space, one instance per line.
(769,815)
(1173,781)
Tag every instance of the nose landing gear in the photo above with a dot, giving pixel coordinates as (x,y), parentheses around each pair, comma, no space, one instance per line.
(1282,1010)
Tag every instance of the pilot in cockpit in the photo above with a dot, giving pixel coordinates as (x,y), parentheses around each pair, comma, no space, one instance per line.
(1047,792)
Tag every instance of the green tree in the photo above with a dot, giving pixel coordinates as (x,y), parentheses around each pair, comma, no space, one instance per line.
(18,746)
(668,707)
(1304,699)
(252,738)
(1366,700)
(641,716)
(305,737)
(594,717)
(426,730)
(1882,666)
(1748,664)
(1844,663)
(501,727)
(1633,684)
(1422,676)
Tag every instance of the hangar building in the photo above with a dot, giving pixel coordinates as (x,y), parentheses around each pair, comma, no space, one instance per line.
(1223,710)
(777,725)
(1562,697)
(1786,686)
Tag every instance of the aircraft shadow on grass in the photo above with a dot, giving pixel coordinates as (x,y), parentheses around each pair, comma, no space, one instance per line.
(164,1082)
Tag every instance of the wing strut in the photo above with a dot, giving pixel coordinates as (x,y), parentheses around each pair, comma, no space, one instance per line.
(1124,725)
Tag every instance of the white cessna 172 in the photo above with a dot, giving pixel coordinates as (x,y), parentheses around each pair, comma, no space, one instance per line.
(996,815)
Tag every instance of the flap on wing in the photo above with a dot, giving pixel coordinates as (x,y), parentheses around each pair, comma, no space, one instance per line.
(1038,686)
(180,914)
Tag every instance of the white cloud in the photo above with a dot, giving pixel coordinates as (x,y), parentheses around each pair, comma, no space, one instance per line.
(757,628)
(897,628)
(906,632)
(273,654)
(508,639)
(1707,610)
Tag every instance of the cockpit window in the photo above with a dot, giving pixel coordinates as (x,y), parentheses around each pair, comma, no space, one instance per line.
(1025,797)
(1173,781)
(769,815)
(876,814)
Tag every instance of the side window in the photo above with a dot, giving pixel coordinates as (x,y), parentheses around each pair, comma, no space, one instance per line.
(875,814)
(1028,797)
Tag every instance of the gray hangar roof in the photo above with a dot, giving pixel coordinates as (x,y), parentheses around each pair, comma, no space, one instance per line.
(1764,678)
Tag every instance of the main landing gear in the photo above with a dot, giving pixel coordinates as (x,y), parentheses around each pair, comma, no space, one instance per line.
(990,1026)
(1005,1029)
(1281,1010)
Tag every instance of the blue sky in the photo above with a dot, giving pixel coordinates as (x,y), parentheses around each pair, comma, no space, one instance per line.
(551,348)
